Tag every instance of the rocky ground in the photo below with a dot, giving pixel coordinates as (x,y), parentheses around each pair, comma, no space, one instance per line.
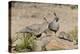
(25,14)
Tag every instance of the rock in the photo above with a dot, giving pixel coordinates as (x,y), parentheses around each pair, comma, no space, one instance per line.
(59,44)
(42,42)
(65,36)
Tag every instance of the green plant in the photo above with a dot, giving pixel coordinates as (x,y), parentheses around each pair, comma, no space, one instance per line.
(27,42)
(74,34)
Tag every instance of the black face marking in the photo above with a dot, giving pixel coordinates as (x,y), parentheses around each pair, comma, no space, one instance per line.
(57,19)
(38,36)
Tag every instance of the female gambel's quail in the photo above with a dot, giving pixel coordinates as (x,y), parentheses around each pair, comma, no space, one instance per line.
(36,29)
